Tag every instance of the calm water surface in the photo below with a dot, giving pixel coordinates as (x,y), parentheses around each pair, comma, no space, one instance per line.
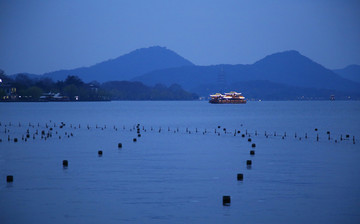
(179,169)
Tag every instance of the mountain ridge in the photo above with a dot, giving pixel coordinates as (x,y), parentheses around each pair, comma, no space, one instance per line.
(159,65)
(288,67)
(125,67)
(351,72)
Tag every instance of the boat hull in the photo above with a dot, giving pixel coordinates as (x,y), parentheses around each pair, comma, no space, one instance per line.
(214,101)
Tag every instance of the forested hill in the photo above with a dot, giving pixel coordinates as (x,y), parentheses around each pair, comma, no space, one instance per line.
(73,88)
(125,67)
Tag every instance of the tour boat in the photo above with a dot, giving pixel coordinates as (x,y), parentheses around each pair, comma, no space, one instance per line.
(232,97)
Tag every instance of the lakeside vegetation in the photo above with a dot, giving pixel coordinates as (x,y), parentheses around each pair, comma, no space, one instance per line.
(22,88)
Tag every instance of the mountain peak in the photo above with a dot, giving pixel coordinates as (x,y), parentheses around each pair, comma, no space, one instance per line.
(353,66)
(151,48)
(284,58)
(158,51)
(127,66)
(294,52)
(288,52)
(351,72)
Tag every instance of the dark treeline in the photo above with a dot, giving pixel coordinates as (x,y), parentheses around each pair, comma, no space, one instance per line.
(23,88)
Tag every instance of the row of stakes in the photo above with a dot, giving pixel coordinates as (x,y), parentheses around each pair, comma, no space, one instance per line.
(45,135)
(226,200)
(100,152)
(240,176)
(65,163)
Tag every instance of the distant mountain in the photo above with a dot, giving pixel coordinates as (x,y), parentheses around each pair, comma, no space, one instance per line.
(286,68)
(292,68)
(284,75)
(126,67)
(351,72)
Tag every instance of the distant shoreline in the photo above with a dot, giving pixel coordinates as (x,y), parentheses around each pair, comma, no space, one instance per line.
(79,101)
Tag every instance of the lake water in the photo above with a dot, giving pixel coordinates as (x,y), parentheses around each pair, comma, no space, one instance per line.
(182,165)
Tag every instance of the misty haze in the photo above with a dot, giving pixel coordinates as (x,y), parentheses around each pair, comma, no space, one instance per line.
(179,111)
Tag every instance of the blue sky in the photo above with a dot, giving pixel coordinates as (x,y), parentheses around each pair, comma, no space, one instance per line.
(41,36)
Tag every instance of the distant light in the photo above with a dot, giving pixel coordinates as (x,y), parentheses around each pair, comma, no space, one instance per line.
(0,80)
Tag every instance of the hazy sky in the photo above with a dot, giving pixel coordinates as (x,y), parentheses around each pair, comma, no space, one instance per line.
(41,36)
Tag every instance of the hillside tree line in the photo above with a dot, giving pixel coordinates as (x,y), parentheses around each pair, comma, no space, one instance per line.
(73,88)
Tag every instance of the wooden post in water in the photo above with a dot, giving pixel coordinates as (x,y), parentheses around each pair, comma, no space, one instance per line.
(226,200)
(9,178)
